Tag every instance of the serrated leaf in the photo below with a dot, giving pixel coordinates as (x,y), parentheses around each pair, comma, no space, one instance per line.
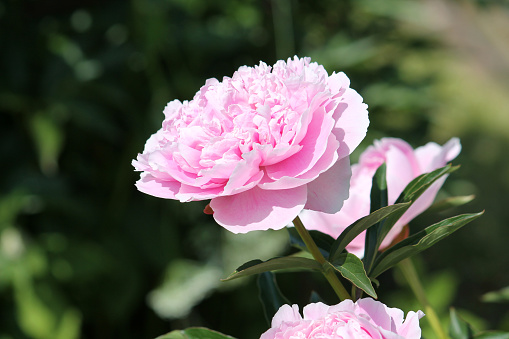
(351,268)
(322,240)
(195,333)
(459,328)
(274,264)
(420,241)
(359,226)
(270,295)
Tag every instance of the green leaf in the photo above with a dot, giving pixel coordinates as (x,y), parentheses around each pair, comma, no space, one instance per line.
(322,240)
(420,184)
(274,264)
(459,328)
(450,202)
(492,335)
(352,269)
(194,333)
(497,296)
(359,226)
(270,295)
(411,193)
(420,241)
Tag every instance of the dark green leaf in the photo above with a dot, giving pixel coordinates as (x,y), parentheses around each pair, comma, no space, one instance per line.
(275,264)
(459,328)
(315,298)
(420,184)
(322,240)
(352,231)
(411,193)
(352,269)
(420,241)
(194,333)
(270,295)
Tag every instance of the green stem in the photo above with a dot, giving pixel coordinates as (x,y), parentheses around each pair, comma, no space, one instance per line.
(408,269)
(329,274)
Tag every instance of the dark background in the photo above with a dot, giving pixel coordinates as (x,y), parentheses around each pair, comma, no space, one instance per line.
(83,84)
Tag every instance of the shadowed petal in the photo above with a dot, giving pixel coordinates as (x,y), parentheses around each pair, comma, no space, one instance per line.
(259,209)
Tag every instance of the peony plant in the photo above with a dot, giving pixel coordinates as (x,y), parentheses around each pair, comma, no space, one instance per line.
(270,146)
(403,164)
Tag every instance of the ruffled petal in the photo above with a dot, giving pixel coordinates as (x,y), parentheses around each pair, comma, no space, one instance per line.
(258,209)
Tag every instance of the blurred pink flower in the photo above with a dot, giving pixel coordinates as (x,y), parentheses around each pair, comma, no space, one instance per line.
(365,318)
(403,165)
(262,145)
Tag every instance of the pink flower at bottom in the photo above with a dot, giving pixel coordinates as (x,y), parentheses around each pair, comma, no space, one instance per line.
(403,165)
(366,318)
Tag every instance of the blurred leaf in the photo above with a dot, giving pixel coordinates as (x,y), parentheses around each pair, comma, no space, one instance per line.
(322,240)
(450,202)
(194,333)
(352,269)
(270,295)
(186,283)
(492,335)
(420,241)
(258,266)
(48,139)
(499,296)
(352,231)
(459,328)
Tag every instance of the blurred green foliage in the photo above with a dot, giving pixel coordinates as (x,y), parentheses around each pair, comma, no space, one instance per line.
(83,85)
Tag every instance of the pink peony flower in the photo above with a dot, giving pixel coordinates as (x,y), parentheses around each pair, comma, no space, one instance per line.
(366,318)
(403,165)
(262,145)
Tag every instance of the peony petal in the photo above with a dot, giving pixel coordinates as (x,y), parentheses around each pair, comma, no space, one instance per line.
(315,311)
(314,145)
(258,209)
(351,116)
(402,167)
(328,192)
(159,188)
(328,158)
(286,313)
(410,328)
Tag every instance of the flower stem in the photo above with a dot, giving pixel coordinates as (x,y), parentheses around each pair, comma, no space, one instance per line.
(409,272)
(329,274)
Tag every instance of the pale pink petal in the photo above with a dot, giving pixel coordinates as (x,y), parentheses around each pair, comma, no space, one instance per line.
(328,158)
(259,209)
(314,145)
(328,192)
(402,167)
(286,313)
(246,169)
(410,328)
(352,122)
(315,311)
(162,189)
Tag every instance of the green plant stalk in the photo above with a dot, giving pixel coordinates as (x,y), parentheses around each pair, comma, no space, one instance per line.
(409,272)
(328,271)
